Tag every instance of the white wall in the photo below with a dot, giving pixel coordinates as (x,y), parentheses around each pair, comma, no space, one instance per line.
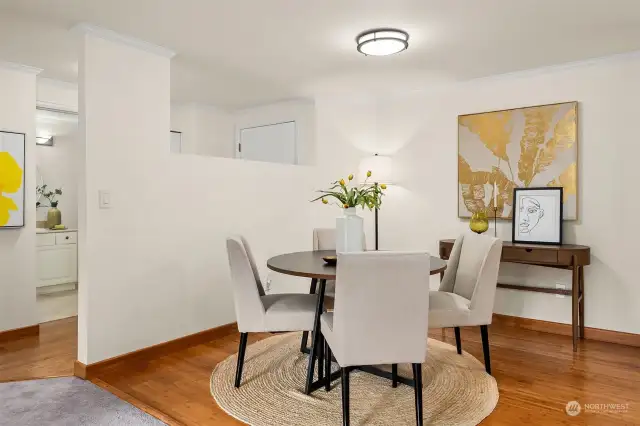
(57,94)
(206,130)
(17,246)
(420,129)
(212,131)
(300,111)
(183,120)
(154,266)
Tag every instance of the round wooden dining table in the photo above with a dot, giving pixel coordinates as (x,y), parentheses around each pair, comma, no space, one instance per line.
(310,264)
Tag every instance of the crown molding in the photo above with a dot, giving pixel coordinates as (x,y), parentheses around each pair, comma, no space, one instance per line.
(442,87)
(111,35)
(58,83)
(56,107)
(550,69)
(19,67)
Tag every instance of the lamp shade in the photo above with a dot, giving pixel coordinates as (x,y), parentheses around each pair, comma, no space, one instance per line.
(381,168)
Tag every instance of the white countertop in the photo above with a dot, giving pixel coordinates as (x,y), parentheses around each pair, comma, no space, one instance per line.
(53,231)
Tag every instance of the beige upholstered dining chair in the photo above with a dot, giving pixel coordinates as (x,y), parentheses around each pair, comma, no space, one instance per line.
(257,312)
(325,239)
(379,317)
(467,292)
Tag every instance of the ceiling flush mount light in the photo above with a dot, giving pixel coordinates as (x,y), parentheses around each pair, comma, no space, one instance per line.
(382,41)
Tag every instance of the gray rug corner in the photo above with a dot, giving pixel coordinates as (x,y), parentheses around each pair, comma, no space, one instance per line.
(66,401)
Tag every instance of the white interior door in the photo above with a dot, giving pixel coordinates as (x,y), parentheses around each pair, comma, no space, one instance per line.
(275,143)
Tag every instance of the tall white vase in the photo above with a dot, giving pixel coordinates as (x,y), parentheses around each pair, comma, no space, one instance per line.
(349,231)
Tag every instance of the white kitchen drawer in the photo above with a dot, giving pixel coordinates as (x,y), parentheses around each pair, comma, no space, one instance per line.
(43,240)
(66,238)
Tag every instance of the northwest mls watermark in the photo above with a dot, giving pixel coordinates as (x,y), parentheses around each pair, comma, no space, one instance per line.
(573,408)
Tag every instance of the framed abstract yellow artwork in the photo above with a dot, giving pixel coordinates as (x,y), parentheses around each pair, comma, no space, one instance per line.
(12,159)
(518,148)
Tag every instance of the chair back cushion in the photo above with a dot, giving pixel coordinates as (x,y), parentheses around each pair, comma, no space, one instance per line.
(472,255)
(472,272)
(325,239)
(381,307)
(247,289)
(254,267)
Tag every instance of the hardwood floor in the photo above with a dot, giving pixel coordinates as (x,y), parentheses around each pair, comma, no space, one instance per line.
(537,374)
(51,354)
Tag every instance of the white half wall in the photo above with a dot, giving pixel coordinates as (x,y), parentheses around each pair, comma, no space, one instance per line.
(17,246)
(154,267)
(206,129)
(420,131)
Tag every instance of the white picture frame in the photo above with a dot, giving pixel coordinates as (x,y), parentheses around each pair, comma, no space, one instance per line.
(537,215)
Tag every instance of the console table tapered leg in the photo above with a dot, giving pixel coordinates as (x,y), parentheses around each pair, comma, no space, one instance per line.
(581,310)
(575,304)
(442,256)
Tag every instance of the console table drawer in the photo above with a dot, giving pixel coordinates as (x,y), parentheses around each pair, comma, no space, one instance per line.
(532,255)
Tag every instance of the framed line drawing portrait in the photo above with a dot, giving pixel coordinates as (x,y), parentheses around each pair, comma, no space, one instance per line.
(537,215)
(12,179)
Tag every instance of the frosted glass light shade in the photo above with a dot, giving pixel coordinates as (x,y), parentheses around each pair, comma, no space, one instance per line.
(382,41)
(381,168)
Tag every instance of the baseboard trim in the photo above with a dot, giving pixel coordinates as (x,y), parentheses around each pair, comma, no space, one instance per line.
(32,330)
(80,370)
(590,333)
(89,371)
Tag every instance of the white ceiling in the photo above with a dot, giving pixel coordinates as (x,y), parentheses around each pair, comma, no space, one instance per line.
(237,53)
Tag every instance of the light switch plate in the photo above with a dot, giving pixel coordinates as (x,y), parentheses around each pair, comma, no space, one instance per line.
(104,199)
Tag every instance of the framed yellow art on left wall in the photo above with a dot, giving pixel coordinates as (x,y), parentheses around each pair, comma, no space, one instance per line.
(12,179)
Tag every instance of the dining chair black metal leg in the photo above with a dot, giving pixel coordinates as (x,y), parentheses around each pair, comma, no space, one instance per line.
(458,340)
(394,375)
(241,350)
(315,338)
(417,378)
(327,366)
(321,358)
(345,396)
(303,341)
(485,348)
(305,334)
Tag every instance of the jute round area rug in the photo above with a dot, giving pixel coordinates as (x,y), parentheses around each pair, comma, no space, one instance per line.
(457,391)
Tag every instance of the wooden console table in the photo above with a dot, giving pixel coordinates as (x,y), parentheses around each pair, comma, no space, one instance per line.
(566,256)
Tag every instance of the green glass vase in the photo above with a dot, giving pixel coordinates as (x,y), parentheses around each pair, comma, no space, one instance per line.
(479,222)
(54,217)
